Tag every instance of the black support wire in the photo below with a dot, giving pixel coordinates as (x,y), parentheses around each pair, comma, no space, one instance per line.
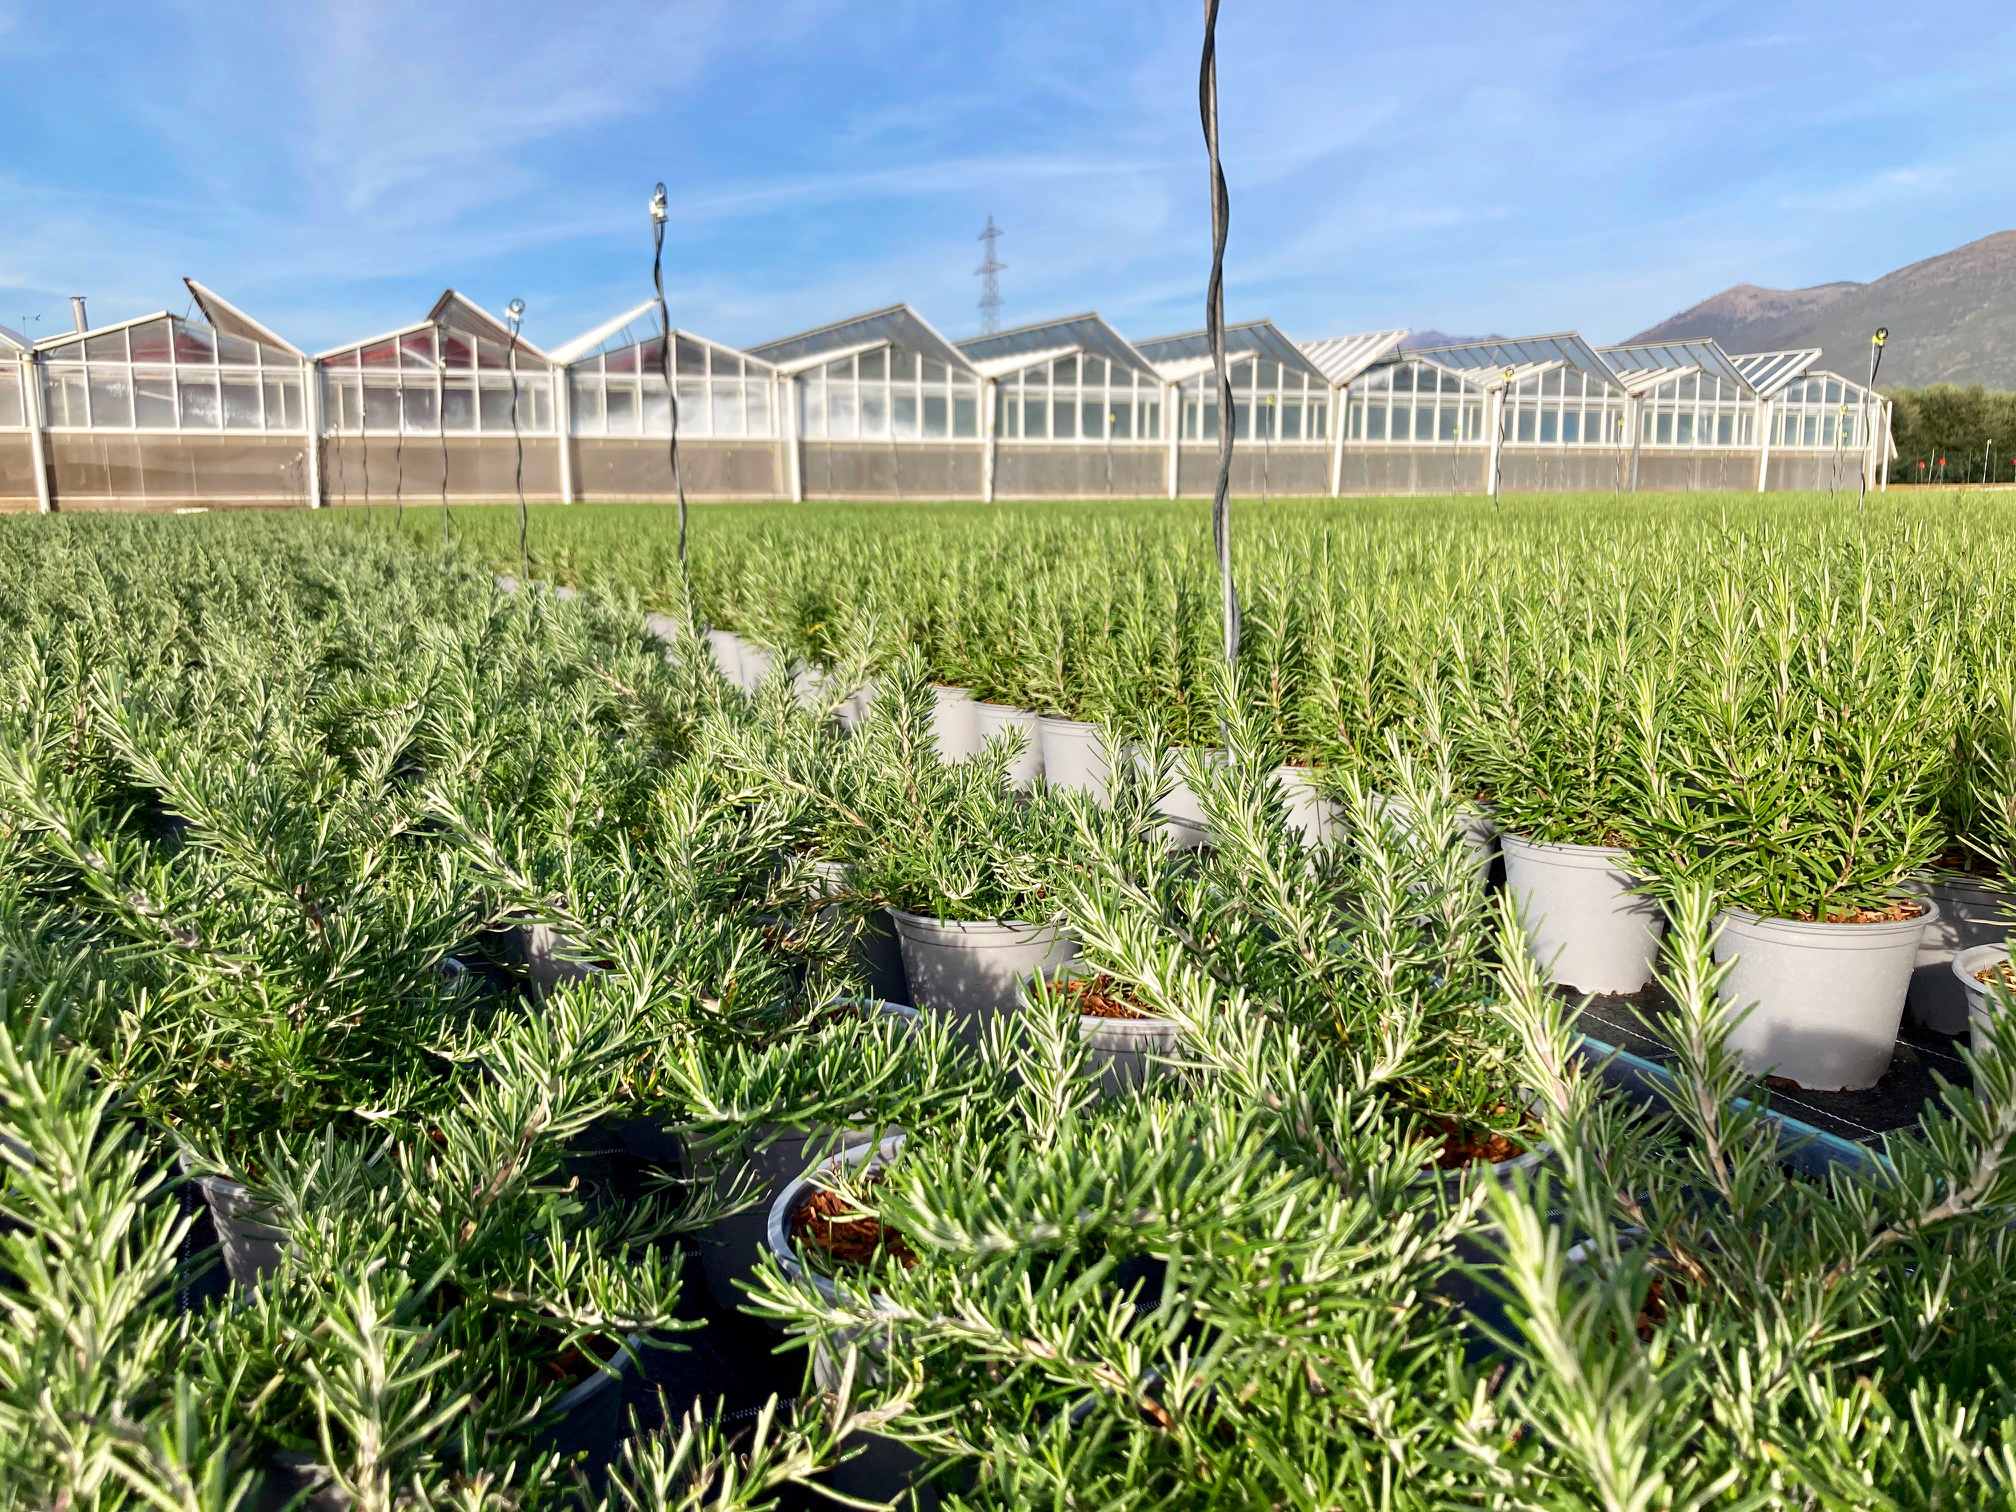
(1868,447)
(1214,325)
(658,214)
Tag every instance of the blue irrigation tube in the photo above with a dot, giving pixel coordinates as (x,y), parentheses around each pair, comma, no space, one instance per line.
(1810,1151)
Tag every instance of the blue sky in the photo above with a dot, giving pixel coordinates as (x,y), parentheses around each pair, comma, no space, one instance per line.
(1463,166)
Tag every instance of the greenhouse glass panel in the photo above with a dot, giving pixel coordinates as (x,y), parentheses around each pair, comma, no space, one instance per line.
(1122,420)
(623,409)
(1035,418)
(495,411)
(1375,423)
(840,411)
(1683,428)
(458,405)
(110,347)
(457,353)
(934,370)
(194,347)
(1662,428)
(692,404)
(1571,427)
(381,406)
(758,410)
(874,412)
(111,399)
(1064,372)
(1424,422)
(416,351)
(198,403)
(965,415)
(903,415)
(935,419)
(241,404)
(1291,420)
(1525,432)
(727,409)
(874,365)
(689,358)
(152,342)
(812,410)
(236,351)
(384,355)
(654,414)
(1151,419)
(584,404)
(1812,430)
(422,415)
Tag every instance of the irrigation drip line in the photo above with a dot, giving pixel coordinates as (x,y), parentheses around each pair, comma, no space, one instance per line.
(658,214)
(1214,327)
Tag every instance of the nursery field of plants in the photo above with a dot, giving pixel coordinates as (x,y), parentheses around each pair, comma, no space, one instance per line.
(888,1014)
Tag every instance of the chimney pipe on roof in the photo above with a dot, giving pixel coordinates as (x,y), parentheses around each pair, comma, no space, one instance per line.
(77,313)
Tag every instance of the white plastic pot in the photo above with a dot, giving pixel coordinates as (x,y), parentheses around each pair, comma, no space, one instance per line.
(1982,1013)
(995,720)
(726,647)
(1074,754)
(251,1246)
(1479,831)
(756,662)
(1583,923)
(1969,915)
(975,971)
(1313,816)
(1186,827)
(955,719)
(549,959)
(1829,997)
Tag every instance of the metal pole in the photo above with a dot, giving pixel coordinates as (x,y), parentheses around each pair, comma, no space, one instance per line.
(1339,402)
(38,430)
(311,417)
(563,429)
(1172,419)
(1875,361)
(990,430)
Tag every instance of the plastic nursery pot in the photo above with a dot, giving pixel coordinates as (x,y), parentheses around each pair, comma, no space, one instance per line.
(884,1469)
(1185,826)
(1478,830)
(251,1246)
(955,720)
(756,662)
(855,707)
(975,971)
(875,949)
(550,958)
(662,627)
(1584,924)
(1970,914)
(1310,814)
(1074,754)
(1829,997)
(998,718)
(1126,1052)
(1982,1009)
(726,647)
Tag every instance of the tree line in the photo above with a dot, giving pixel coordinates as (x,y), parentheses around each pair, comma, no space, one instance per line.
(1953,433)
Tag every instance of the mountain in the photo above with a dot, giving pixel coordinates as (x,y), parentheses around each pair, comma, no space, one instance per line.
(1952,319)
(1419,341)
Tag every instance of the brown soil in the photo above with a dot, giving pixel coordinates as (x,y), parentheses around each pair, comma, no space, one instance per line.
(1894,912)
(2001,974)
(1964,862)
(569,1368)
(829,1221)
(1103,997)
(1463,1146)
(1659,1296)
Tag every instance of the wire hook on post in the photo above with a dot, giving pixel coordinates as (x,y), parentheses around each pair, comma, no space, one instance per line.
(659,211)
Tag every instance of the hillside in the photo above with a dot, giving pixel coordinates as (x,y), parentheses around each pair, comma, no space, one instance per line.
(1952,318)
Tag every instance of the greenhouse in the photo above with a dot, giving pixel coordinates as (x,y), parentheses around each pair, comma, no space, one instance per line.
(462,381)
(885,408)
(1281,400)
(178,411)
(619,423)
(1075,412)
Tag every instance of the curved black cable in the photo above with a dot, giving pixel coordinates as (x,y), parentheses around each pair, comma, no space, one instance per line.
(658,212)
(1214,325)
(518,477)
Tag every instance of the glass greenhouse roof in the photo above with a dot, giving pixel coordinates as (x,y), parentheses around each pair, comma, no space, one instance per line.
(453,312)
(897,326)
(1651,363)
(13,340)
(232,321)
(1184,356)
(1484,361)
(1025,346)
(635,327)
(1342,358)
(1770,372)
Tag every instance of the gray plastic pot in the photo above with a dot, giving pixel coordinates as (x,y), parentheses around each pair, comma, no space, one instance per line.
(884,1469)
(663,628)
(1829,997)
(1584,924)
(1126,1052)
(1969,915)
(1479,830)
(875,949)
(1186,827)
(1981,1008)
(955,720)
(857,704)
(1310,814)
(549,960)
(995,720)
(1074,754)
(726,647)
(756,664)
(251,1246)
(975,971)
